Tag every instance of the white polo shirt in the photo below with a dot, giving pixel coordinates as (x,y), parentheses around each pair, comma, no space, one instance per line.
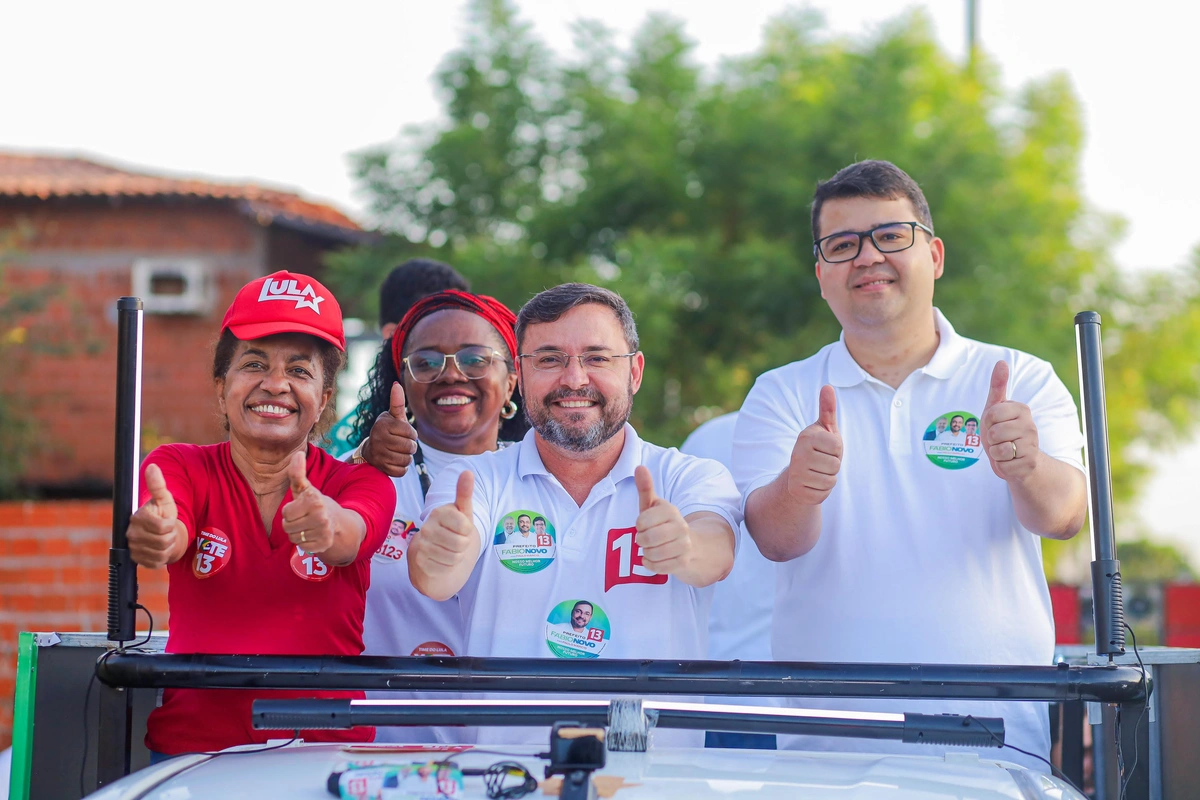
(399,620)
(739,624)
(921,557)
(517,600)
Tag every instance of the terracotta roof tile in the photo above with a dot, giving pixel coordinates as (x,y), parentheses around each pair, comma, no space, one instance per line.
(46,176)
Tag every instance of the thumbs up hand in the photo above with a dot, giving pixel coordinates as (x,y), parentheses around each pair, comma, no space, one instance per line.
(152,532)
(393,440)
(308,519)
(662,532)
(449,537)
(817,454)
(1010,436)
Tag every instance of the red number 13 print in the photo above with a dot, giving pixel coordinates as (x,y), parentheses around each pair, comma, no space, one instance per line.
(623,561)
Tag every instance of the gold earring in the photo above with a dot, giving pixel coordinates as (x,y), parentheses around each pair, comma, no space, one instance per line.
(510,410)
(412,418)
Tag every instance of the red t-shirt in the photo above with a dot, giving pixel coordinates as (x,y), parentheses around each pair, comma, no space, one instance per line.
(239,591)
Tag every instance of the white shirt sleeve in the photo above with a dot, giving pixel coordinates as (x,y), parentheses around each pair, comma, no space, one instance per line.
(1035,383)
(701,484)
(766,431)
(444,489)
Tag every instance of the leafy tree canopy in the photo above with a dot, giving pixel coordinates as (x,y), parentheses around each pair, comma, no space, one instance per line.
(687,190)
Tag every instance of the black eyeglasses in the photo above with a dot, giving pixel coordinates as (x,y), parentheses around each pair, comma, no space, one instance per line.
(557,361)
(426,366)
(891,237)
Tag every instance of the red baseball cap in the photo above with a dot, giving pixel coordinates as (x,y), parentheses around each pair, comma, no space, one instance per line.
(285,302)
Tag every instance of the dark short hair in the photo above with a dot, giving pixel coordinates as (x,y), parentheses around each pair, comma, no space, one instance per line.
(412,280)
(332,361)
(879,179)
(551,304)
(579,603)
(543,519)
(971,419)
(957,416)
(526,516)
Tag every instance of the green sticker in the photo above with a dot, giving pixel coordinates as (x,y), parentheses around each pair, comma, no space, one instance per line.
(525,541)
(952,441)
(577,629)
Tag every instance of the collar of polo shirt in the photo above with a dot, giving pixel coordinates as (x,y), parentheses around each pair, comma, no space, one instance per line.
(951,354)
(529,460)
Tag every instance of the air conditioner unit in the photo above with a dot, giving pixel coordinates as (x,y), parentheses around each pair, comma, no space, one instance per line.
(173,285)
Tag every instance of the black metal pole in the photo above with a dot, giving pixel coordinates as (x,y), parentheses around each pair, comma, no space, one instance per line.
(1108,607)
(623,677)
(952,729)
(122,572)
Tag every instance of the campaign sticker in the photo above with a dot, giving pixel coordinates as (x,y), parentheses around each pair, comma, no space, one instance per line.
(432,649)
(525,541)
(396,544)
(427,781)
(213,550)
(577,629)
(309,567)
(952,441)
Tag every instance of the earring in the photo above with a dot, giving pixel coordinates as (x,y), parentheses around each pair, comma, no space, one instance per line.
(412,419)
(510,410)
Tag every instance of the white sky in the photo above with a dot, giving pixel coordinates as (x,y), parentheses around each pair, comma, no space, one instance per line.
(279,93)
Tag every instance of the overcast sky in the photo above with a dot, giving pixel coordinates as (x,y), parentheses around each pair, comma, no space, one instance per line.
(279,93)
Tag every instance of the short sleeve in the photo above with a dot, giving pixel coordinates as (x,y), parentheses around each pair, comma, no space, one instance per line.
(186,480)
(369,493)
(702,484)
(1054,411)
(444,489)
(766,431)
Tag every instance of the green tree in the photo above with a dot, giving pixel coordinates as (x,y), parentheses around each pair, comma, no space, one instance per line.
(688,192)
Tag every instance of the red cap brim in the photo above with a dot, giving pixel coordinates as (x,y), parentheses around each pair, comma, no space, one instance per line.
(257,330)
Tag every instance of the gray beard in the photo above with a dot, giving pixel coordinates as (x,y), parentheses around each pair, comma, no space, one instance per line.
(612,421)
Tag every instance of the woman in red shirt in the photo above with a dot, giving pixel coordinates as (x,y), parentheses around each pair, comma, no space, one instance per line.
(266,538)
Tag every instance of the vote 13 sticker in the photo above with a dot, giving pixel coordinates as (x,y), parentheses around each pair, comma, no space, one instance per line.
(396,544)
(213,551)
(309,567)
(525,541)
(577,629)
(952,441)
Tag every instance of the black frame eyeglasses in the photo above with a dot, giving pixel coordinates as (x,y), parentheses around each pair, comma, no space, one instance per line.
(890,237)
(557,360)
(472,362)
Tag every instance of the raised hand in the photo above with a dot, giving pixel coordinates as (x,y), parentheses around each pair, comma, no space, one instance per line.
(393,440)
(1010,436)
(152,533)
(308,519)
(445,540)
(817,454)
(662,532)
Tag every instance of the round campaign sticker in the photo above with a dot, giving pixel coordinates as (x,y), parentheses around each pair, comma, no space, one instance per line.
(577,629)
(213,551)
(524,541)
(952,441)
(394,546)
(309,567)
(432,649)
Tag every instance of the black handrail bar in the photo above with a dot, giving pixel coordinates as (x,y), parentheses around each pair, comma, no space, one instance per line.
(1108,684)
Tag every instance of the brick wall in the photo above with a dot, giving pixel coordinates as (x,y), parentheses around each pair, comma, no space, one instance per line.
(54,577)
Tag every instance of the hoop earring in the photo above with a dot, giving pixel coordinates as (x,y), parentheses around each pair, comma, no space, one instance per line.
(510,410)
(412,418)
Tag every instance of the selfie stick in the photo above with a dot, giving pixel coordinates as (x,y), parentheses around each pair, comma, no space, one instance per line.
(122,572)
(1107,605)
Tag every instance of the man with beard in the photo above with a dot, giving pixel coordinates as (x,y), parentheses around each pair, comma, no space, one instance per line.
(642,531)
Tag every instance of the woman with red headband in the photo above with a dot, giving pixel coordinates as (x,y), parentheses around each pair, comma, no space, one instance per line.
(453,357)
(267,539)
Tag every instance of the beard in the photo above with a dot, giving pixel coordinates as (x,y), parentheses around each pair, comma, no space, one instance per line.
(572,434)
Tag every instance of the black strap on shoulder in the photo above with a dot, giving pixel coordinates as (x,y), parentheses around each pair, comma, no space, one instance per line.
(422,472)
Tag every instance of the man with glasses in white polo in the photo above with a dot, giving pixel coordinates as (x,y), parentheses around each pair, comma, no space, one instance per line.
(634,534)
(844,485)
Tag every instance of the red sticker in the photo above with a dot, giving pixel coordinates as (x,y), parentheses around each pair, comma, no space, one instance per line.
(972,441)
(309,567)
(213,551)
(431,649)
(623,561)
